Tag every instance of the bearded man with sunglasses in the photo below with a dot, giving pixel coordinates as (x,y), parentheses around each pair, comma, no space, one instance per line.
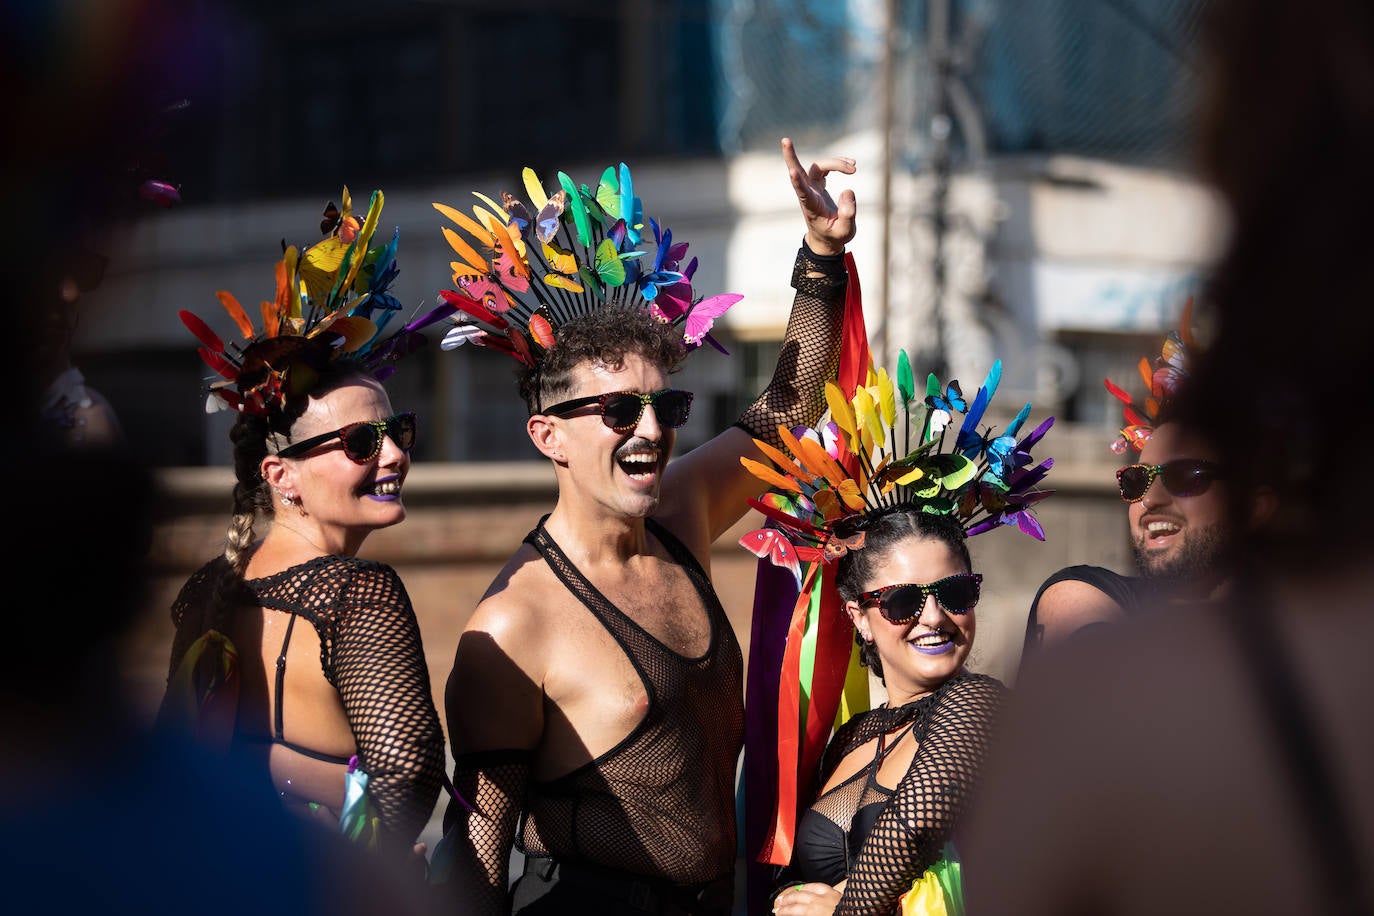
(595,706)
(1176,509)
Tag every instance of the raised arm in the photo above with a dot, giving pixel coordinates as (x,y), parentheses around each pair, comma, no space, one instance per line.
(710,480)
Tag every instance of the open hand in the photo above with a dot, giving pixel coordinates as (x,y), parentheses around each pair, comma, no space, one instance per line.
(829,226)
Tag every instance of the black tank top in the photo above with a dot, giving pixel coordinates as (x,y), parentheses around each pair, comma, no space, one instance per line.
(661,802)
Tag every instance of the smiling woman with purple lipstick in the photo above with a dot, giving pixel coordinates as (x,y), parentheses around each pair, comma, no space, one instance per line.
(879,503)
(337,712)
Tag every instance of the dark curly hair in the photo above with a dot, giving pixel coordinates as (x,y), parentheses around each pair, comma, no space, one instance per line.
(883,532)
(606,336)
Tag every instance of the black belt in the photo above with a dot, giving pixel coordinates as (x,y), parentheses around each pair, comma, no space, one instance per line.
(639,893)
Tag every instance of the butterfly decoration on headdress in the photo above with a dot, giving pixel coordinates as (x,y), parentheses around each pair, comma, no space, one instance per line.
(332,298)
(885,448)
(1164,376)
(526,267)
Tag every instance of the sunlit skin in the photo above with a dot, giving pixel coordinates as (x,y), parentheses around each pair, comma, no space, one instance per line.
(337,502)
(618,475)
(1177,537)
(908,674)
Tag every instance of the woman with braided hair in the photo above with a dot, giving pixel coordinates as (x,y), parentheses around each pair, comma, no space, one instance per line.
(290,649)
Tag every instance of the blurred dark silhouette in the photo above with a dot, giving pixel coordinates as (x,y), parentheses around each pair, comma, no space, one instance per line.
(97,814)
(1222,760)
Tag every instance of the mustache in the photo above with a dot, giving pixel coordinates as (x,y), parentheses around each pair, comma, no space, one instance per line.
(638,444)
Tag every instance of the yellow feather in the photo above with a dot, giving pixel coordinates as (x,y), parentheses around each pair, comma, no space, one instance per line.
(374,213)
(497,210)
(887,398)
(866,413)
(840,410)
(292,297)
(534,189)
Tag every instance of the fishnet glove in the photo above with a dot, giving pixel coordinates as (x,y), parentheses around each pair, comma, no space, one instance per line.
(494,782)
(382,679)
(810,352)
(911,833)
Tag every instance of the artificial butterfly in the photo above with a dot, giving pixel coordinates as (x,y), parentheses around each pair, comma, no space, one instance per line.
(772,545)
(331,218)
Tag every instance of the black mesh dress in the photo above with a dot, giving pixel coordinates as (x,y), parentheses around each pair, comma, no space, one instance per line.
(370,651)
(660,804)
(884,839)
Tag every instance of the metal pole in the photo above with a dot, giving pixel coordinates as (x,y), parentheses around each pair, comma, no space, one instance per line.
(940,124)
(878,342)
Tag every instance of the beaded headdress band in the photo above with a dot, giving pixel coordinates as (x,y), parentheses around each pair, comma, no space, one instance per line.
(526,269)
(862,462)
(332,299)
(1163,377)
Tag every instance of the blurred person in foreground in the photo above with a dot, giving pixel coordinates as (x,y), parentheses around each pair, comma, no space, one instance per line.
(891,504)
(595,706)
(1224,762)
(99,815)
(290,649)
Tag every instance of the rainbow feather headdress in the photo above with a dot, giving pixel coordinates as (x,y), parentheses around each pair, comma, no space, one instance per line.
(863,460)
(882,448)
(525,269)
(1163,376)
(332,299)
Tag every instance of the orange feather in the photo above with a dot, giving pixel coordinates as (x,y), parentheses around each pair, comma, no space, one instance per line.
(236,312)
(474,228)
(465,251)
(768,475)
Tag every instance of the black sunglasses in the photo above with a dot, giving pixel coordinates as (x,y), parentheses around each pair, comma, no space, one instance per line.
(1182,477)
(621,410)
(362,441)
(899,603)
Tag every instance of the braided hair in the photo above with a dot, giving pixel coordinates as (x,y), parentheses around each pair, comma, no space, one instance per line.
(255,436)
(883,533)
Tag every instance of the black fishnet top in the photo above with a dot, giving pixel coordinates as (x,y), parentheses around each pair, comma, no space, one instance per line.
(370,651)
(904,831)
(810,353)
(661,803)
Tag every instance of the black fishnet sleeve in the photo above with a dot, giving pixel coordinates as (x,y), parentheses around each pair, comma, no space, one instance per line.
(810,352)
(379,670)
(187,614)
(493,783)
(914,827)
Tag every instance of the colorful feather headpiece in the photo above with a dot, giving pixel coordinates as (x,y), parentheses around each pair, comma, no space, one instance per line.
(1163,376)
(331,299)
(525,269)
(883,448)
(862,461)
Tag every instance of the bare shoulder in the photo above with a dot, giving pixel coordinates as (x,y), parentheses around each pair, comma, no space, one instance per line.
(1071,604)
(514,611)
(494,694)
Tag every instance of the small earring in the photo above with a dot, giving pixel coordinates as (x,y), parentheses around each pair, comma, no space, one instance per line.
(286,500)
